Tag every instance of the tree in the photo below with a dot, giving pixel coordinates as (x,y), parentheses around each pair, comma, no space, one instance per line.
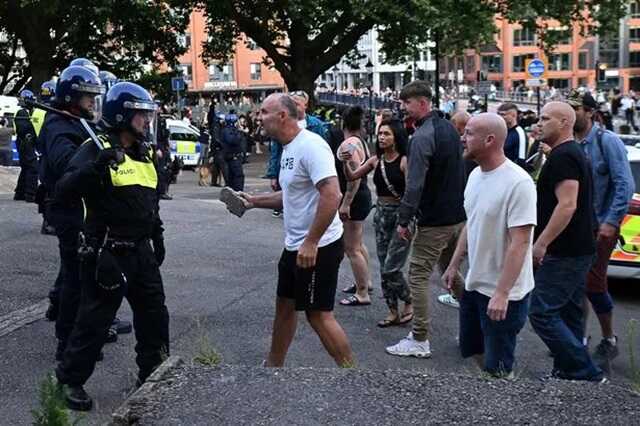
(121,36)
(304,38)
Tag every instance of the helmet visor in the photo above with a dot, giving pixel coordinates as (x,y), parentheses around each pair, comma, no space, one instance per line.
(143,124)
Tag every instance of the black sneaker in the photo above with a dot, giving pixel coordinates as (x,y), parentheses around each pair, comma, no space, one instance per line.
(604,353)
(165,197)
(52,312)
(77,399)
(122,326)
(112,335)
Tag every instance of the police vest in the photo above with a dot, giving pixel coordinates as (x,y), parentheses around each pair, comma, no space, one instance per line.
(37,119)
(132,172)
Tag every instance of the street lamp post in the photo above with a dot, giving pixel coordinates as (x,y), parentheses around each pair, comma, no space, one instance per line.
(369,68)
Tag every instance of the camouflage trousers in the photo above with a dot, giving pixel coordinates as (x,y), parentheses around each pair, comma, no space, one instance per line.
(392,255)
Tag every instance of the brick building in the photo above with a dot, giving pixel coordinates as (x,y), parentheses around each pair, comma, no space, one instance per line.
(576,60)
(243,74)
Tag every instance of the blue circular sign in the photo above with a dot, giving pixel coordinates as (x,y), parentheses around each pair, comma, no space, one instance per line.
(536,68)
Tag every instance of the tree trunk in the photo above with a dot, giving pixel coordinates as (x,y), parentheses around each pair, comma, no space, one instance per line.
(303,81)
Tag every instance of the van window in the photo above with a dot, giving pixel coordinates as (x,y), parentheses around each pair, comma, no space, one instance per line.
(180,134)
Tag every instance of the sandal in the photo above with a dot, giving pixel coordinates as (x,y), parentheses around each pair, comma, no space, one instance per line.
(388,322)
(353,301)
(406,318)
(352,289)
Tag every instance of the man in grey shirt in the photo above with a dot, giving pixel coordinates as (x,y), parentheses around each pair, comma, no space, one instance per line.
(434,197)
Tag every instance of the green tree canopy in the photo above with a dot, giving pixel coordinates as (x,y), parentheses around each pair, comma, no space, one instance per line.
(121,36)
(304,38)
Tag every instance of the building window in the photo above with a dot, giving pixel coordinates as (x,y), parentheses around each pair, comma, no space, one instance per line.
(610,57)
(492,63)
(184,40)
(560,62)
(256,71)
(187,71)
(563,35)
(221,72)
(634,59)
(251,45)
(634,35)
(583,60)
(559,83)
(469,64)
(524,37)
(519,61)
(634,9)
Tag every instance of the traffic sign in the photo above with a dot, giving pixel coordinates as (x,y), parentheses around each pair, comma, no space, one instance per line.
(177,84)
(534,82)
(483,87)
(536,68)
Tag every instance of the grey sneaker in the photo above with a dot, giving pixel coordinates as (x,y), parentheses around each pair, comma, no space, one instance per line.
(449,300)
(605,352)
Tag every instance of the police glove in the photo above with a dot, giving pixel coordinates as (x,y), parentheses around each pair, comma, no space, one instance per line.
(158,249)
(109,157)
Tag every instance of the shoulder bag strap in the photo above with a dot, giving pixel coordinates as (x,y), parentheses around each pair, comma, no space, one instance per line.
(386,179)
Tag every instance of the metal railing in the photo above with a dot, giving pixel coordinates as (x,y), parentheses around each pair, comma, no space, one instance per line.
(376,102)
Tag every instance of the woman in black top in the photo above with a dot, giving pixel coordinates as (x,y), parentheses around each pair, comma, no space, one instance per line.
(355,207)
(390,171)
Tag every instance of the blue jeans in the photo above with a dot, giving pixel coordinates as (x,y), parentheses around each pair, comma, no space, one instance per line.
(495,339)
(557,317)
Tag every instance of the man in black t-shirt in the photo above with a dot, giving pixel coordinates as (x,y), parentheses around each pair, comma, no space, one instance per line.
(564,246)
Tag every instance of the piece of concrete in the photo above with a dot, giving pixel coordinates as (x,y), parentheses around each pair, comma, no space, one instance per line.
(8,178)
(197,395)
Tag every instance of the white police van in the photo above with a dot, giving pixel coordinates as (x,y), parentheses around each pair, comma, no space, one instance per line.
(183,141)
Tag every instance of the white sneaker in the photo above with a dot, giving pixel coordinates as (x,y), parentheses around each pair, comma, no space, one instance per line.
(410,347)
(449,300)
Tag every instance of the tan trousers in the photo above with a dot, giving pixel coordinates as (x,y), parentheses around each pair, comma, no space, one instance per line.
(431,246)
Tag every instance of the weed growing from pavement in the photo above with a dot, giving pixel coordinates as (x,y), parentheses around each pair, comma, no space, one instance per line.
(207,354)
(348,364)
(635,369)
(53,409)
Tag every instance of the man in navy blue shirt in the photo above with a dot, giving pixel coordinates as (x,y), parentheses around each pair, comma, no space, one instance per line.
(515,147)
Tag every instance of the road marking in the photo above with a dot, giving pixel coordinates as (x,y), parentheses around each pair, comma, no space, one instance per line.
(17,319)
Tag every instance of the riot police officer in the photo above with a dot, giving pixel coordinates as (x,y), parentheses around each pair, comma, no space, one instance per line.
(163,152)
(26,144)
(232,143)
(123,240)
(38,116)
(86,63)
(76,93)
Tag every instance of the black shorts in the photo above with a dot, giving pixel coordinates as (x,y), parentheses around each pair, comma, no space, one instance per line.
(313,289)
(361,205)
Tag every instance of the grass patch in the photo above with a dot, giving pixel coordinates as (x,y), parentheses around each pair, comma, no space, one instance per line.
(207,354)
(633,363)
(53,409)
(348,364)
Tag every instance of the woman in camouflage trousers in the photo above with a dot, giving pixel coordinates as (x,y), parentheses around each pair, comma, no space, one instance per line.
(389,166)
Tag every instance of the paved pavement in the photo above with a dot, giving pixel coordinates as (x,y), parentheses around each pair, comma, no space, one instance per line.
(220,283)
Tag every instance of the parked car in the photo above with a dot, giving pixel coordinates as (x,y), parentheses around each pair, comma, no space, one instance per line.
(183,141)
(625,259)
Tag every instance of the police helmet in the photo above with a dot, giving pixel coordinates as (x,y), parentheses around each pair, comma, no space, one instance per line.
(122,103)
(47,91)
(27,94)
(108,79)
(231,119)
(84,62)
(75,82)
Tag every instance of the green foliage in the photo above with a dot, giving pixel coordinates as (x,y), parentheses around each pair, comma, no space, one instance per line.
(304,38)
(159,83)
(53,409)
(119,35)
(207,354)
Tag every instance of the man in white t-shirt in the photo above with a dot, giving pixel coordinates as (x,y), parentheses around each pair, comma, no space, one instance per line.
(308,267)
(500,203)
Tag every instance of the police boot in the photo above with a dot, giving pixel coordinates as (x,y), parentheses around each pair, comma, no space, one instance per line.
(77,398)
(122,326)
(47,229)
(112,335)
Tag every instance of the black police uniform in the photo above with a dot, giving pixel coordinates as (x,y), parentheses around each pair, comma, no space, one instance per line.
(231,141)
(60,137)
(26,141)
(164,163)
(118,260)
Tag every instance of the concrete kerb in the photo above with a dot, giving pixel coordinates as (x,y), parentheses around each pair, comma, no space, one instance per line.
(128,412)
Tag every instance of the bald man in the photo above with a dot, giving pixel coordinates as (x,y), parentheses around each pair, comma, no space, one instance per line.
(500,203)
(564,246)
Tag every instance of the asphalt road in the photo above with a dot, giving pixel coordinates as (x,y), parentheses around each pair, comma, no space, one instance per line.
(220,279)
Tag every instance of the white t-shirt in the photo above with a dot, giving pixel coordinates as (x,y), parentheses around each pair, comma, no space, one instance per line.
(305,161)
(494,202)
